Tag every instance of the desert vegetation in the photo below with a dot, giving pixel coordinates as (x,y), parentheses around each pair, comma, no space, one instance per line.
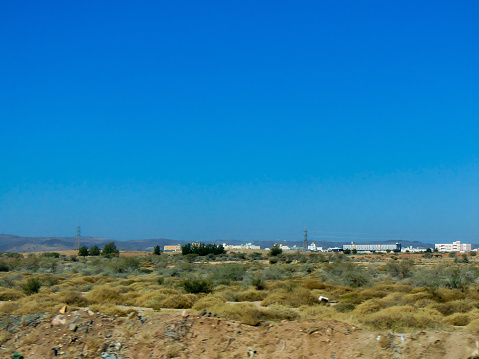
(382,291)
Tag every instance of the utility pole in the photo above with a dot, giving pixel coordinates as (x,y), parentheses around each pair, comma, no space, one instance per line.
(77,241)
(305,240)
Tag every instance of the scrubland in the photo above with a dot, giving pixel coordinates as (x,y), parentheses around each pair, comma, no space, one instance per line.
(375,292)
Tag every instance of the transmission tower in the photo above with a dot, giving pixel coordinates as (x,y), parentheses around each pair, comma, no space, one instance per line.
(305,240)
(77,240)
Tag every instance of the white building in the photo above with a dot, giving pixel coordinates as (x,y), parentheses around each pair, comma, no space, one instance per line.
(312,247)
(454,247)
(410,249)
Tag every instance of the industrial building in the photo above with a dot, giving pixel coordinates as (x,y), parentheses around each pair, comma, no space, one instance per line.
(453,247)
(373,247)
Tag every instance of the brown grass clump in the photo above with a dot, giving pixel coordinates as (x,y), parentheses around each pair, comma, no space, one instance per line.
(319,312)
(280,312)
(209,303)
(252,295)
(246,313)
(42,302)
(72,297)
(177,301)
(299,296)
(10,294)
(457,306)
(458,319)
(103,295)
(314,283)
(473,325)
(402,318)
(8,307)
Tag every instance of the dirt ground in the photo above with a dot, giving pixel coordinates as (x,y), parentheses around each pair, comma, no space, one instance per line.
(84,334)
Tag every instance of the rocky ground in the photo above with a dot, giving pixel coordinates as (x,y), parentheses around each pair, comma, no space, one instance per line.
(84,334)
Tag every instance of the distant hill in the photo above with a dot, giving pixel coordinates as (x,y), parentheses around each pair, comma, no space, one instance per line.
(12,243)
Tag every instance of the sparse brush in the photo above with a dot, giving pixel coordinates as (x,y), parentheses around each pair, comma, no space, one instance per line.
(402,318)
(252,295)
(280,312)
(10,294)
(209,303)
(31,286)
(103,294)
(177,301)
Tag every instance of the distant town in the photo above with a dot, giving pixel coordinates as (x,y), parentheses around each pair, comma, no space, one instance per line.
(456,246)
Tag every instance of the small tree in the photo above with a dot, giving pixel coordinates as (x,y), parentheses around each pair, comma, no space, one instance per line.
(347,251)
(94,251)
(83,251)
(276,250)
(110,250)
(157,250)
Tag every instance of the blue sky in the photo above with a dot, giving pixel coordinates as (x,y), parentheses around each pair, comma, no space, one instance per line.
(240,120)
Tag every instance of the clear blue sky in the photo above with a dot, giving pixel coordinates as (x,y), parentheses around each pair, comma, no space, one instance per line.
(249,120)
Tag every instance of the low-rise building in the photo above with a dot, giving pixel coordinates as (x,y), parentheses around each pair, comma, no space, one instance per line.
(313,248)
(172,248)
(456,246)
(373,247)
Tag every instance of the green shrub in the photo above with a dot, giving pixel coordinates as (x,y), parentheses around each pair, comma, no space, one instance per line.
(197,286)
(31,286)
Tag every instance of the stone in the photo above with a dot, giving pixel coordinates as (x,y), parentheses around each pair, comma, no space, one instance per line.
(73,327)
(184,314)
(58,320)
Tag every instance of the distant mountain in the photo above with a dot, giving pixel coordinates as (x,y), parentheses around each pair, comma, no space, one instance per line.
(12,243)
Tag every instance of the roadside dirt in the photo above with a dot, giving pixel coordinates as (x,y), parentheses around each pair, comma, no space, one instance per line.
(84,334)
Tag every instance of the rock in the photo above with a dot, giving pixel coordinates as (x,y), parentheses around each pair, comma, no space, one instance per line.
(108,335)
(59,319)
(117,346)
(91,312)
(132,315)
(63,310)
(73,327)
(184,314)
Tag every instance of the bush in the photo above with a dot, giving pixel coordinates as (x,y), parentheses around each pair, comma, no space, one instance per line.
(275,251)
(197,286)
(110,250)
(83,251)
(178,301)
(94,251)
(31,286)
(403,317)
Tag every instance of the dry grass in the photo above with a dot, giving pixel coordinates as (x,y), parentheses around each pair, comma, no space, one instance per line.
(402,318)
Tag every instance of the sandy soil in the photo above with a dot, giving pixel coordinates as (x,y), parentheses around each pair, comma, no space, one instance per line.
(84,334)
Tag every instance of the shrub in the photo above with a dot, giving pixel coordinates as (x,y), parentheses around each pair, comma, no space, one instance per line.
(110,250)
(209,303)
(31,286)
(157,250)
(197,286)
(402,317)
(344,307)
(458,319)
(178,301)
(94,251)
(7,294)
(103,294)
(280,312)
(83,251)
(275,251)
